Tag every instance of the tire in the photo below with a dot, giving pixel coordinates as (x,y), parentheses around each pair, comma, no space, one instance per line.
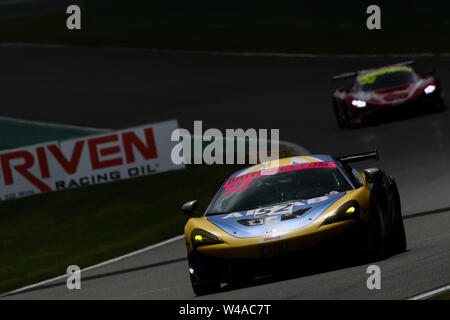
(384,233)
(203,281)
(380,239)
(342,123)
(379,225)
(202,288)
(369,243)
(399,236)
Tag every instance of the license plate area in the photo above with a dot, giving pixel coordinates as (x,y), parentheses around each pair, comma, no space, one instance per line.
(273,249)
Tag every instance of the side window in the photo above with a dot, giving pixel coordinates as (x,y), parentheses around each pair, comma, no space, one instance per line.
(358,178)
(355,180)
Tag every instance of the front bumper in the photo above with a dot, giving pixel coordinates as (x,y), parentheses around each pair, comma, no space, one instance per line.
(221,262)
(375,113)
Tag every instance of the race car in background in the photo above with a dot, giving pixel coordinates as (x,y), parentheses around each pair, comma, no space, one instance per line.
(285,212)
(384,93)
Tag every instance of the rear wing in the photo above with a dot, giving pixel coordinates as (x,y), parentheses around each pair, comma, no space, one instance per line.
(374,155)
(345,75)
(353,74)
(406,63)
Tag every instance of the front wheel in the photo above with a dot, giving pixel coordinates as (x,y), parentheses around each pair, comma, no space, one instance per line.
(399,234)
(201,288)
(203,279)
(376,234)
(381,236)
(399,237)
(341,117)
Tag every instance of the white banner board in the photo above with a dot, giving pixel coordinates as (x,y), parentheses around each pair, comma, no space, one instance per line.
(85,161)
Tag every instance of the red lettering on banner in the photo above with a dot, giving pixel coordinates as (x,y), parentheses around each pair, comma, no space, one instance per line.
(43,163)
(70,166)
(94,152)
(109,151)
(148,151)
(22,169)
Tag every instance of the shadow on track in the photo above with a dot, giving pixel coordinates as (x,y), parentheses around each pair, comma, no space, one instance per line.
(424,213)
(105,275)
(399,117)
(320,264)
(294,271)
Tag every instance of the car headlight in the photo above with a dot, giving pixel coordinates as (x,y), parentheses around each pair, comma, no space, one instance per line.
(202,238)
(359,103)
(349,210)
(429,89)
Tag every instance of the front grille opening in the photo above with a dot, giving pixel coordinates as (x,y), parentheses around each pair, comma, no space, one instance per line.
(251,222)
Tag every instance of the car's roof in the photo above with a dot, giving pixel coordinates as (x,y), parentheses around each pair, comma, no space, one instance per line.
(283,162)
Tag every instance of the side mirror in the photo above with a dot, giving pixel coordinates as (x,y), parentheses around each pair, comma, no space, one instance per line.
(373,174)
(190,207)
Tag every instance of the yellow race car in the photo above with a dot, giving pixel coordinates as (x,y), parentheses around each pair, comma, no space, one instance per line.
(282,211)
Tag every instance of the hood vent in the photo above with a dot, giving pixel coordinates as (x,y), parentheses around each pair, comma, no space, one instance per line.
(294,214)
(251,222)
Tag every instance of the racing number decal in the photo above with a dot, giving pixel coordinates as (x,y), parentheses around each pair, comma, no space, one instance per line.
(274,210)
(264,212)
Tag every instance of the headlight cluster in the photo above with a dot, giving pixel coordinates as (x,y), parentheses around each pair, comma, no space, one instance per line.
(201,237)
(349,210)
(359,103)
(429,89)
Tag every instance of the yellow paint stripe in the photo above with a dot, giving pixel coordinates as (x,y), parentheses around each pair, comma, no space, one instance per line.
(310,159)
(280,163)
(256,168)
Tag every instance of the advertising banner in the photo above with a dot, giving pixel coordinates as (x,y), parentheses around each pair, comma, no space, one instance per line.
(85,161)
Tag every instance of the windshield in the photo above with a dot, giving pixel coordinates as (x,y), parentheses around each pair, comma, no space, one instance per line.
(282,184)
(386,78)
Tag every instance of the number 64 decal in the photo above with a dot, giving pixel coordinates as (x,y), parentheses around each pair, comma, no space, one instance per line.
(274,210)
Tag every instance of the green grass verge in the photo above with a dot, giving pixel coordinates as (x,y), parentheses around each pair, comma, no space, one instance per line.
(288,26)
(42,235)
(15,134)
(442,296)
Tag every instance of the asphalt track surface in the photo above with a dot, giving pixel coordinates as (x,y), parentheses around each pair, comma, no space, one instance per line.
(112,88)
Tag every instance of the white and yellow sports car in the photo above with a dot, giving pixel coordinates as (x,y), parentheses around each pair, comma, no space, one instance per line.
(288,208)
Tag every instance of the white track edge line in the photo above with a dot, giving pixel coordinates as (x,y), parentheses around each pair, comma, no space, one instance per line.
(153,246)
(430,293)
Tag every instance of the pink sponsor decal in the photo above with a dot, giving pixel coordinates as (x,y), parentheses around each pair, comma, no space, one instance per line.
(242,182)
